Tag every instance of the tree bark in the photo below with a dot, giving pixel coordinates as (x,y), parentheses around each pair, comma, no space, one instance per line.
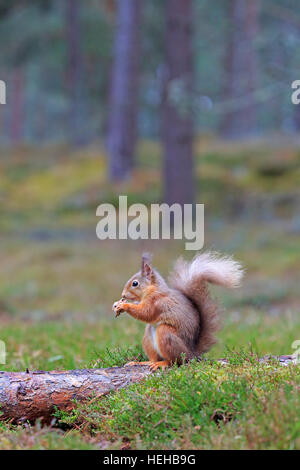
(74,73)
(17,106)
(27,396)
(240,69)
(177,119)
(122,126)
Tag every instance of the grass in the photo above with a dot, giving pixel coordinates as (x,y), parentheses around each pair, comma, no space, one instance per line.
(242,405)
(57,285)
(200,406)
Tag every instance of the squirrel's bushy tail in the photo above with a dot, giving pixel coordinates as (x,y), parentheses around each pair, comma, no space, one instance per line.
(191,279)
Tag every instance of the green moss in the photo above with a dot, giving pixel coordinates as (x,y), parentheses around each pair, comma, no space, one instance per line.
(191,406)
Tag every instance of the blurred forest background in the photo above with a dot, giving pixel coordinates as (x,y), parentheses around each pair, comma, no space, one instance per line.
(177,101)
(111,72)
(162,100)
(173,101)
(58,59)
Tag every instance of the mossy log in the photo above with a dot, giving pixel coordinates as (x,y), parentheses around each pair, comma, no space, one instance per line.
(27,396)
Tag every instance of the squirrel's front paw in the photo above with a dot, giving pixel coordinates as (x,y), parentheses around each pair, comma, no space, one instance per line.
(117,307)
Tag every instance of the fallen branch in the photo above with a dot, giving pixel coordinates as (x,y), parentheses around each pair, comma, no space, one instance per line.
(26,396)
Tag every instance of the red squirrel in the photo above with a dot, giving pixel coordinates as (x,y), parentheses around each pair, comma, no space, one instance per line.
(181,316)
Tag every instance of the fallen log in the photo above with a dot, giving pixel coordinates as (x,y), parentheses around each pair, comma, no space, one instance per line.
(27,396)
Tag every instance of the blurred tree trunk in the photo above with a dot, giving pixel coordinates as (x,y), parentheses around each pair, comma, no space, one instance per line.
(177,119)
(297,118)
(122,127)
(74,73)
(17,106)
(240,69)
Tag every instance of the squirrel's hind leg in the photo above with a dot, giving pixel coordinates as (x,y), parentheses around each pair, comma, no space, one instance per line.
(171,346)
(155,365)
(137,363)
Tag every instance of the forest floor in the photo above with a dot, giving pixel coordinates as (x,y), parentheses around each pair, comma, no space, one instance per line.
(58,282)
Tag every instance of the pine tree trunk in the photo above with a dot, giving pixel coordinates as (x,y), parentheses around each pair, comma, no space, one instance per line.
(122,128)
(240,69)
(177,119)
(17,106)
(297,118)
(74,73)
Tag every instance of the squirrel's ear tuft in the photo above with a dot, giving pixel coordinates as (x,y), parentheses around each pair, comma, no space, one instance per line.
(148,272)
(146,267)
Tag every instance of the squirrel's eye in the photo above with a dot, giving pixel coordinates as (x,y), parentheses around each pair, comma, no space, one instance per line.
(135,283)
